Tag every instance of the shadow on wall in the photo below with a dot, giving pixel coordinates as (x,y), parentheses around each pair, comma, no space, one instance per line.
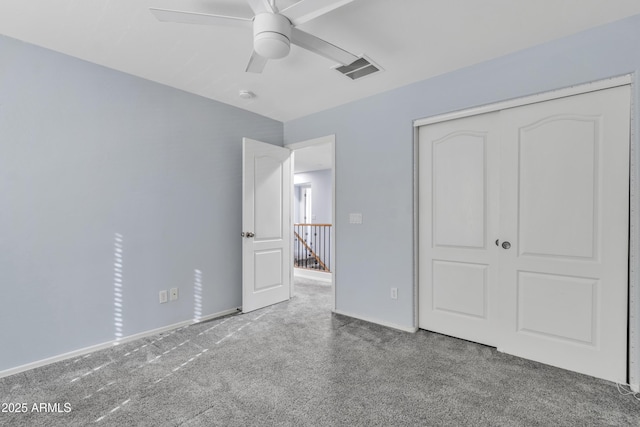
(118,322)
(197,295)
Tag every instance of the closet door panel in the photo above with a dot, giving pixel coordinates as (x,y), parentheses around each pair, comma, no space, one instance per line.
(564,210)
(558,188)
(458,219)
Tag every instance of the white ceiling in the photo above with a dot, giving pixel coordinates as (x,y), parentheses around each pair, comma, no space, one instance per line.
(410,39)
(313,158)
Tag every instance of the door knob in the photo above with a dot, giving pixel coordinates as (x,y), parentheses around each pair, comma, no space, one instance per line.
(506,245)
(242,234)
(249,234)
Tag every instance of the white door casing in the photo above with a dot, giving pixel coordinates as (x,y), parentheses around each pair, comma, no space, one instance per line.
(330,141)
(556,191)
(266,230)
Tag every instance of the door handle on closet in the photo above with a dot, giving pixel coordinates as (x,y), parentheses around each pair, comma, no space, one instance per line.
(505,245)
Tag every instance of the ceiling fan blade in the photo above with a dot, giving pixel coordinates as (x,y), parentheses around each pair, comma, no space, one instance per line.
(167,15)
(321,47)
(306,10)
(256,63)
(262,6)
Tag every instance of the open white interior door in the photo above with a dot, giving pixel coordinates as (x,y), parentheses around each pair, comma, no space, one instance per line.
(266,230)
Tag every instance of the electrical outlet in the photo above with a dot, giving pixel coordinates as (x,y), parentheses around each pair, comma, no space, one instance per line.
(163,297)
(173,294)
(394,293)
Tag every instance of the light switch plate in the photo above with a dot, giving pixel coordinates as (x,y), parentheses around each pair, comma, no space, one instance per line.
(355,218)
(162,297)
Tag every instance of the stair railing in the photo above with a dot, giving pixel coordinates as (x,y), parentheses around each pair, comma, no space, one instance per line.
(312,246)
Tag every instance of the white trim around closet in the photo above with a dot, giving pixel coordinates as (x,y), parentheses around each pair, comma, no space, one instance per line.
(532,99)
(634,179)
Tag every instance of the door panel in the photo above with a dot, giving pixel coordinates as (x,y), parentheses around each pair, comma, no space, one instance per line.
(558,190)
(268,181)
(459,190)
(460,288)
(542,307)
(266,246)
(458,211)
(564,208)
(268,272)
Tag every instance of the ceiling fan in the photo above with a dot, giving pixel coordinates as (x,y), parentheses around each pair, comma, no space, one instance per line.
(273,30)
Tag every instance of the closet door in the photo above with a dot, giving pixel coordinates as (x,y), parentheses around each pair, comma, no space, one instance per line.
(458,222)
(564,226)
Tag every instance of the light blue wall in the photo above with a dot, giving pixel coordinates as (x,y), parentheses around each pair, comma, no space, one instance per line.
(87,152)
(374,154)
(320,194)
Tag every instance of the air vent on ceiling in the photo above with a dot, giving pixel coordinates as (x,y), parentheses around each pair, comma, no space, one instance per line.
(359,68)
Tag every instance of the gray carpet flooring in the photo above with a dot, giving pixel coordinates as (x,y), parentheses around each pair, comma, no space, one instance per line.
(297,364)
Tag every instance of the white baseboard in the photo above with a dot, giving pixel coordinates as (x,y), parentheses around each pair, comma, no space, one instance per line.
(102,346)
(635,387)
(313,275)
(388,325)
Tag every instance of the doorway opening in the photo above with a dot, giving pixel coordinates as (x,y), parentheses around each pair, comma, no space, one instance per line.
(313,212)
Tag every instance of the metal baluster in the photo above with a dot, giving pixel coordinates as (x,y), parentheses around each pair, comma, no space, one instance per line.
(319,237)
(324,245)
(321,233)
(300,247)
(310,245)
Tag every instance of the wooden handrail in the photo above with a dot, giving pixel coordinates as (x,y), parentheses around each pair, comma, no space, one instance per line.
(324,267)
(315,225)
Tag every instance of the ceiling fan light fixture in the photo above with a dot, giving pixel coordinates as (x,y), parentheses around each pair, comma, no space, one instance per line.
(271,45)
(271,35)
(274,30)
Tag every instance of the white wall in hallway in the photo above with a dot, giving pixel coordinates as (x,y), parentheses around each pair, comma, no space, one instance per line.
(320,182)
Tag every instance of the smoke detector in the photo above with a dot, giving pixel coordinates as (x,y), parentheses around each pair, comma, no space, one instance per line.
(246,94)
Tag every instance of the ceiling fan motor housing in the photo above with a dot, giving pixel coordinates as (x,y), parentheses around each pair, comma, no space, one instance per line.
(271,35)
